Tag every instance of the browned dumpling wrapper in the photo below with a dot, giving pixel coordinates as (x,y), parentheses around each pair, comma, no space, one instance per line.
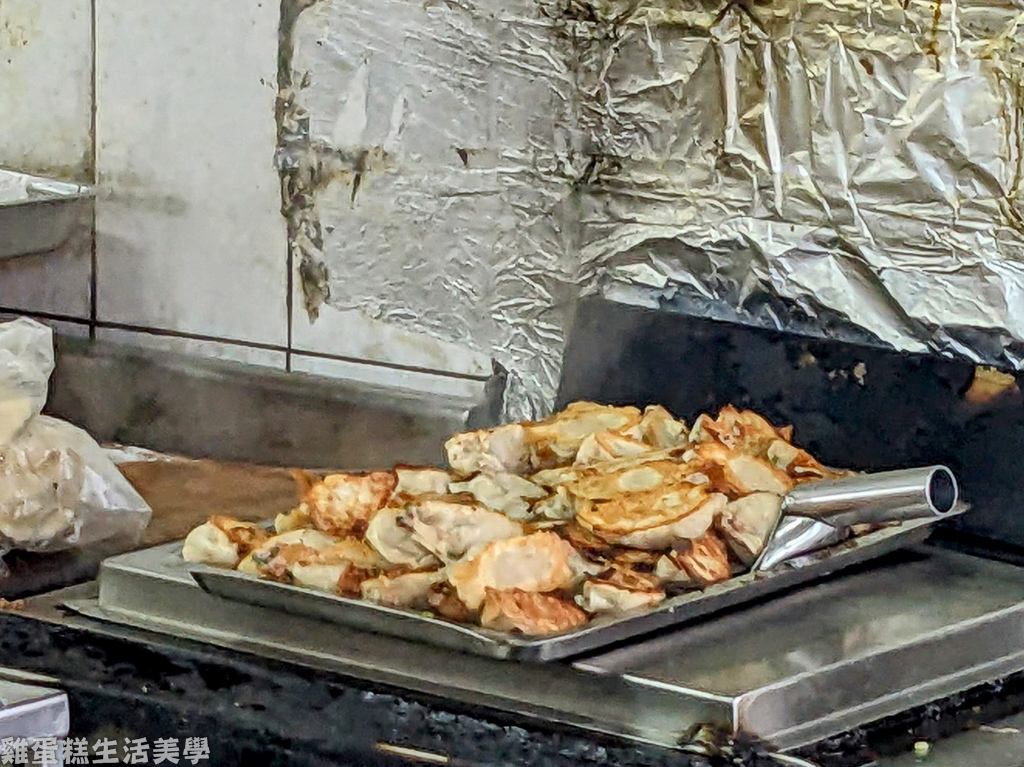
(555,441)
(344,504)
(444,600)
(655,519)
(705,560)
(531,613)
(409,590)
(537,562)
(736,473)
(222,541)
(742,430)
(455,526)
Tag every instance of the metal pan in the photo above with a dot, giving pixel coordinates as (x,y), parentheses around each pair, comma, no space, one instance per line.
(37,215)
(600,632)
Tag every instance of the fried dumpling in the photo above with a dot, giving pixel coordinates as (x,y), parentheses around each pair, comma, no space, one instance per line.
(395,542)
(607,596)
(341,578)
(222,541)
(531,613)
(450,527)
(607,446)
(669,571)
(652,519)
(245,535)
(586,542)
(209,545)
(352,550)
(555,441)
(411,482)
(660,429)
(610,485)
(747,522)
(338,567)
(507,493)
(567,475)
(747,474)
(739,473)
(444,600)
(295,519)
(499,450)
(797,463)
(634,560)
(537,562)
(409,590)
(344,504)
(693,525)
(259,557)
(276,563)
(557,506)
(705,560)
(742,430)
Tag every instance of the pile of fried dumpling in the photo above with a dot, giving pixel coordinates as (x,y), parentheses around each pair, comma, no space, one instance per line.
(536,527)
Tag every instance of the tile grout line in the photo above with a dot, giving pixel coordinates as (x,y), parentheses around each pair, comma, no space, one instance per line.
(283,82)
(165,333)
(93,251)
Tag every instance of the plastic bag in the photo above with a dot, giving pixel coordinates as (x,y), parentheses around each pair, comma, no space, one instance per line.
(59,490)
(26,361)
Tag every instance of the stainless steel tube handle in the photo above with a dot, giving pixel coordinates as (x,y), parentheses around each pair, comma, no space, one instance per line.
(887,496)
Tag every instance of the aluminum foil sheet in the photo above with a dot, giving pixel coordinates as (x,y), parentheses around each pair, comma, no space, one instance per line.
(468,169)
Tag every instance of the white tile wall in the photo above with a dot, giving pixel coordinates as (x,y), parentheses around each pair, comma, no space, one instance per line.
(189,234)
(45,118)
(189,237)
(46,86)
(197,347)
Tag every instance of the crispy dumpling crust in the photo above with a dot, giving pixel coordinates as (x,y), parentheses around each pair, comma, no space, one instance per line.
(343,504)
(641,511)
(537,562)
(529,612)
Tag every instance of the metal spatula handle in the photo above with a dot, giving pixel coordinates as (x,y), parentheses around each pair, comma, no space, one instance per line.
(887,496)
(817,514)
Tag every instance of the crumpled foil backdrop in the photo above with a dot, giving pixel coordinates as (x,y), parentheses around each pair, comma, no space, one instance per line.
(853,167)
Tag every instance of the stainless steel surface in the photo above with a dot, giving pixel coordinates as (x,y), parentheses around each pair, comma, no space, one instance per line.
(804,665)
(37,214)
(152,590)
(229,411)
(885,496)
(851,650)
(600,632)
(27,711)
(818,514)
(793,536)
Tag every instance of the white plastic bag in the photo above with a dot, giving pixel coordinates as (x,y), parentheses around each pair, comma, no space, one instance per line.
(26,361)
(59,490)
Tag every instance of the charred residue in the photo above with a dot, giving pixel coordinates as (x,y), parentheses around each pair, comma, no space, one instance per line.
(307,166)
(303,166)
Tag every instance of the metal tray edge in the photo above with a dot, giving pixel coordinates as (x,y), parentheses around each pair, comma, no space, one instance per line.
(367,616)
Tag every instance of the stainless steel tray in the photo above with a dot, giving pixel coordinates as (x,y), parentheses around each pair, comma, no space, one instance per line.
(600,632)
(37,214)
